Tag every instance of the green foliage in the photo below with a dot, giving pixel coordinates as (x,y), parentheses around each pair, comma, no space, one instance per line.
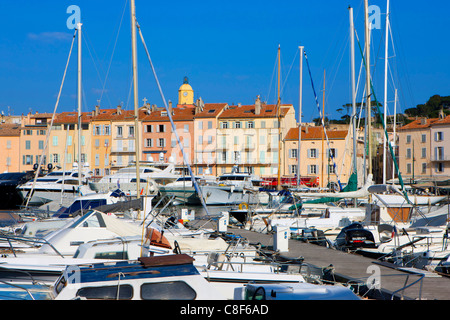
(432,108)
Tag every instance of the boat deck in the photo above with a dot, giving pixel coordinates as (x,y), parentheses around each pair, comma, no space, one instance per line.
(352,267)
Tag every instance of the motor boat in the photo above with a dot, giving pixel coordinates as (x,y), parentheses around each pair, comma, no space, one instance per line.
(53,186)
(233,189)
(151,176)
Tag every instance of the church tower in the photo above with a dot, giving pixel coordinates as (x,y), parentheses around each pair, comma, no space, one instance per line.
(186,93)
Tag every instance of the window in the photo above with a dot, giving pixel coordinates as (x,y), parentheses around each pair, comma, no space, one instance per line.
(149,143)
(236,140)
(424,153)
(312,169)
(200,125)
(439,167)
(263,124)
(439,136)
(408,139)
(97,130)
(55,141)
(293,169)
(27,160)
(162,142)
(27,145)
(8,144)
(69,140)
(97,143)
(55,158)
(175,290)
(237,156)
(408,168)
(293,153)
(424,167)
(332,153)
(186,128)
(117,255)
(200,140)
(41,145)
(149,128)
(331,169)
(237,125)
(250,125)
(424,138)
(130,131)
(210,139)
(224,125)
(161,128)
(120,131)
(408,153)
(210,124)
(439,153)
(106,293)
(312,153)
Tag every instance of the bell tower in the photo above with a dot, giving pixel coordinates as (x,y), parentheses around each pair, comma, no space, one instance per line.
(186,93)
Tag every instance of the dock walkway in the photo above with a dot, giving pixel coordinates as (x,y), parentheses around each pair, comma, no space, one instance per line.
(352,267)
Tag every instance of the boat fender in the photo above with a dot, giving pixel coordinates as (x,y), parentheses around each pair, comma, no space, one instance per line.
(242,205)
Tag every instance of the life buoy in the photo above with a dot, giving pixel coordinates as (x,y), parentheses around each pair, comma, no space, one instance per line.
(242,205)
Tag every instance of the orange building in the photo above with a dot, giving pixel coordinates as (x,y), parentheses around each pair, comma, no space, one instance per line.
(10,160)
(32,140)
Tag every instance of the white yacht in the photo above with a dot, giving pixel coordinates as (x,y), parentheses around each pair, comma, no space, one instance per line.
(53,186)
(151,175)
(233,189)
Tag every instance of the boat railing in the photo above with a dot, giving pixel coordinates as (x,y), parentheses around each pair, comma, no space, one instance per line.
(19,287)
(367,287)
(31,241)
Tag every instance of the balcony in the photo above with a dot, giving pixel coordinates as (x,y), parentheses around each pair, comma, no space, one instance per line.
(440,158)
(249,147)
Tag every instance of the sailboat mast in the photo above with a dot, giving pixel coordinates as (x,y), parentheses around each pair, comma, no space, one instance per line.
(352,58)
(386,52)
(300,107)
(136,94)
(323,130)
(368,87)
(279,119)
(80,181)
(394,144)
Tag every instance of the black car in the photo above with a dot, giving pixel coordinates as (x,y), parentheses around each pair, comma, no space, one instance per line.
(354,237)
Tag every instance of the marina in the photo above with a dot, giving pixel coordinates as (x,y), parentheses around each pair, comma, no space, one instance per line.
(226,202)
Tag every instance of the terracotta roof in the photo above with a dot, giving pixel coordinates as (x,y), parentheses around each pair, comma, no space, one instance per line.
(41,115)
(211,110)
(9,130)
(444,121)
(248,111)
(421,123)
(72,117)
(315,133)
(179,114)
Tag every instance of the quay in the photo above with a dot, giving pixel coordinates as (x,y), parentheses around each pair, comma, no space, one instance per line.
(354,268)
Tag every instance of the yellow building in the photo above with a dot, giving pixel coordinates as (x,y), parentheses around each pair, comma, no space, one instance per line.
(10,160)
(249,136)
(101,141)
(63,141)
(185,93)
(315,155)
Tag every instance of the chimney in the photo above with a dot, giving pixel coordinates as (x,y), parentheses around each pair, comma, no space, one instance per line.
(119,110)
(423,121)
(170,107)
(97,110)
(258,106)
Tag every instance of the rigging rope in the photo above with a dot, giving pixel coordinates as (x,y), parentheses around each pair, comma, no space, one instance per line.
(331,155)
(174,129)
(41,160)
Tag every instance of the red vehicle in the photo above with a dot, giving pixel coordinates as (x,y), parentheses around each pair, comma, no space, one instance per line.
(310,182)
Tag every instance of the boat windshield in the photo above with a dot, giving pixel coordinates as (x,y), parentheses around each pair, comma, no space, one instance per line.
(92,219)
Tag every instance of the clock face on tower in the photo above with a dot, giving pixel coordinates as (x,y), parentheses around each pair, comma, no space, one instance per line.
(185,94)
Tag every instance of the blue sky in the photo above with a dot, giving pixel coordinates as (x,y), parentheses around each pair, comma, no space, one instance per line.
(227,49)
